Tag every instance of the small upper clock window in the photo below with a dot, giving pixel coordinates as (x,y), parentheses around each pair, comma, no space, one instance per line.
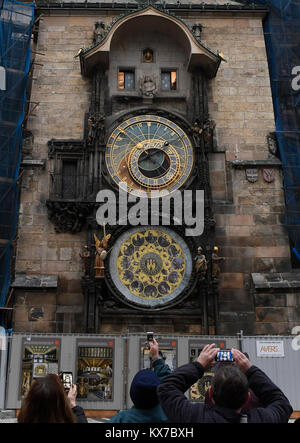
(126,79)
(169,80)
(147,55)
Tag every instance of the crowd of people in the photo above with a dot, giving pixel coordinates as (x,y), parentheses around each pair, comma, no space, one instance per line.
(239,393)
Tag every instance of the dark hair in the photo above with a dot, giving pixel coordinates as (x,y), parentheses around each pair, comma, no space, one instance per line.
(229,387)
(46,402)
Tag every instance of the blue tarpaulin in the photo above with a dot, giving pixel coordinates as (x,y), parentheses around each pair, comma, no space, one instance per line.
(16,22)
(282,36)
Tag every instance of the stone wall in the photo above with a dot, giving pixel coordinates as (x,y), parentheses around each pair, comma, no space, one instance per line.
(248,215)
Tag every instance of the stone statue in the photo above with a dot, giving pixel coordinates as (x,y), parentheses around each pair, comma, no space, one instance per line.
(100,255)
(215,263)
(92,127)
(148,86)
(201,263)
(99,31)
(95,123)
(197,29)
(197,131)
(208,132)
(86,258)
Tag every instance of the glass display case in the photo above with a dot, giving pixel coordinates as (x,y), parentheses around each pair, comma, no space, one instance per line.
(167,350)
(95,367)
(39,358)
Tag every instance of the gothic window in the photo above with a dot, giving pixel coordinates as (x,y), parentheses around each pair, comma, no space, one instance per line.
(168,80)
(67,169)
(69,174)
(126,79)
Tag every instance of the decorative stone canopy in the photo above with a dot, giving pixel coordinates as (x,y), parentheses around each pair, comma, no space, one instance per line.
(198,55)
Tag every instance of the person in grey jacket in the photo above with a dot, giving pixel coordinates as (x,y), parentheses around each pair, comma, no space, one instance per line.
(229,393)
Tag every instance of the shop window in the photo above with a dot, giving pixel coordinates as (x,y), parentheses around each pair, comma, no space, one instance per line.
(95,372)
(38,360)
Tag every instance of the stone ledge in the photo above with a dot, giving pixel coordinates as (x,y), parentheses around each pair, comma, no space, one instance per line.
(33,163)
(69,309)
(268,162)
(284,280)
(35,281)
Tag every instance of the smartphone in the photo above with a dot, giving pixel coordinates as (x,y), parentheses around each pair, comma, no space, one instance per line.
(150,336)
(224,356)
(67,380)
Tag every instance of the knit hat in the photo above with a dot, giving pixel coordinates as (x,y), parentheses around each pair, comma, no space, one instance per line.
(143,389)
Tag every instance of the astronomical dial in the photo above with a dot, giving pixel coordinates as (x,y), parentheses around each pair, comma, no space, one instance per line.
(150,267)
(149,152)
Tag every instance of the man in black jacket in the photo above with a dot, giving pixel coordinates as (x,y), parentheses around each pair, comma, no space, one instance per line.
(229,392)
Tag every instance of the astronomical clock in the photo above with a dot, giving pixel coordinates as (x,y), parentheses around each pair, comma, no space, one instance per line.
(143,271)
(149,267)
(148,153)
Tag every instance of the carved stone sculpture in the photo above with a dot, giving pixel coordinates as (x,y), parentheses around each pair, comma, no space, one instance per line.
(208,132)
(99,31)
(201,263)
(148,86)
(100,255)
(86,258)
(197,29)
(197,131)
(215,263)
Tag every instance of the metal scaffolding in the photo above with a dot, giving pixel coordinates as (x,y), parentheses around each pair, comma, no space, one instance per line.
(16,21)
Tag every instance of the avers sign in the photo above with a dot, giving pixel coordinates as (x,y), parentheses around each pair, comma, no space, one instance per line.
(269,348)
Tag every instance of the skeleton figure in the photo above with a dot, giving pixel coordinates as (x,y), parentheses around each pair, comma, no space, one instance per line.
(215,263)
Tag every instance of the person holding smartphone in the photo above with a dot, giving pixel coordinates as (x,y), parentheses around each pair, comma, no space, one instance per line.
(229,392)
(143,391)
(48,402)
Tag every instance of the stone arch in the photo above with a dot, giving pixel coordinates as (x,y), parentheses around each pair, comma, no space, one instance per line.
(198,55)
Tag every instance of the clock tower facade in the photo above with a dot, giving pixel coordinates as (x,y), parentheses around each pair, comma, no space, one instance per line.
(149,221)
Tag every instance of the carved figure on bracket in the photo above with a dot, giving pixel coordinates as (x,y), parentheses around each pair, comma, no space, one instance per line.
(215,263)
(148,86)
(197,30)
(201,263)
(197,131)
(100,254)
(272,143)
(86,258)
(99,32)
(95,124)
(208,132)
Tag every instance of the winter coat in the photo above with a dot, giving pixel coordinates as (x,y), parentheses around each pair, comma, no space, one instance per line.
(152,415)
(80,415)
(276,407)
